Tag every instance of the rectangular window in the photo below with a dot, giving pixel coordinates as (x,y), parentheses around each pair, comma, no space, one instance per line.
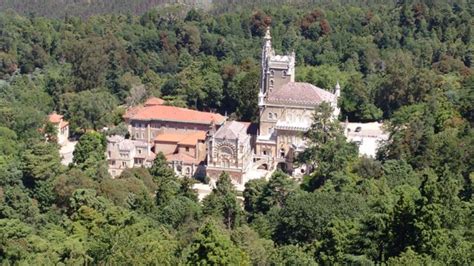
(187,148)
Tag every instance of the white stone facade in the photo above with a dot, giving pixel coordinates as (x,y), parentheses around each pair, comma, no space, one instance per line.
(125,153)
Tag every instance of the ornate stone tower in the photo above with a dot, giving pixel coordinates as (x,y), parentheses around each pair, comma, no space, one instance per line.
(334,103)
(266,53)
(277,70)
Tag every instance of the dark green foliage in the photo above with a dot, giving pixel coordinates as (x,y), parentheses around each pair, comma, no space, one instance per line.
(328,149)
(252,194)
(211,246)
(306,215)
(167,183)
(408,63)
(41,161)
(260,251)
(223,203)
(292,255)
(89,152)
(88,109)
(261,196)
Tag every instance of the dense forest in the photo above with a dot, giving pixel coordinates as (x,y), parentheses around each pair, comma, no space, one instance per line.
(409,64)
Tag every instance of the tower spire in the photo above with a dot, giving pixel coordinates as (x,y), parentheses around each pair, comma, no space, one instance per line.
(337,90)
(267,34)
(266,53)
(267,46)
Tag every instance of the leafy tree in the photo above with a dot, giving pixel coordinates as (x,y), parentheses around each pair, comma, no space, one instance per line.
(306,215)
(66,183)
(404,214)
(252,194)
(189,37)
(41,162)
(374,235)
(337,241)
(328,149)
(89,149)
(143,244)
(168,185)
(260,251)
(243,94)
(357,101)
(409,257)
(213,89)
(180,211)
(438,209)
(127,192)
(88,109)
(408,63)
(212,246)
(16,204)
(292,255)
(276,191)
(222,202)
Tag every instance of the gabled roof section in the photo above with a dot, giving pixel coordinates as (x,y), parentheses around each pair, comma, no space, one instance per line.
(233,130)
(188,139)
(182,157)
(300,93)
(172,114)
(154,101)
(55,118)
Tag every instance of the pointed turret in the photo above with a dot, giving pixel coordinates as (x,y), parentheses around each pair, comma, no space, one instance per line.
(268,36)
(334,103)
(266,53)
(337,90)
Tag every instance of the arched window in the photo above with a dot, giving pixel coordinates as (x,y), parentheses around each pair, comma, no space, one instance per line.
(226,151)
(283,73)
(272,73)
(271,82)
(275,115)
(270,115)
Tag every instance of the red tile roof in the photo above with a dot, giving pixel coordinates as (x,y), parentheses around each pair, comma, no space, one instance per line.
(172,113)
(154,101)
(182,157)
(55,118)
(190,138)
